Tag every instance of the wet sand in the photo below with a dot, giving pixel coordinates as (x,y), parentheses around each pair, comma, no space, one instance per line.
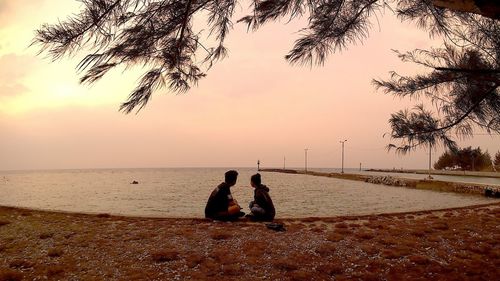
(453,244)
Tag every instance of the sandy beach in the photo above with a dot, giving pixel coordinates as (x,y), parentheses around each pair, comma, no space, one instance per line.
(453,244)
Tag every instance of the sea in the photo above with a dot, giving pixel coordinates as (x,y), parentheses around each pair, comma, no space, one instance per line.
(183,192)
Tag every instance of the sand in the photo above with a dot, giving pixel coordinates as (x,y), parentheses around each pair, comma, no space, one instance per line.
(454,244)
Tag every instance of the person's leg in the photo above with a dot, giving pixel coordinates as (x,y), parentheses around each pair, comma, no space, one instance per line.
(257,210)
(230,217)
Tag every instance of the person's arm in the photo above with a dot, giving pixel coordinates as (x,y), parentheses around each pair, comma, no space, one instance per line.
(260,199)
(213,208)
(222,214)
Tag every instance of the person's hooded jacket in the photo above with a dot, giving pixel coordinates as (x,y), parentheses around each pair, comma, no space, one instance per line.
(263,199)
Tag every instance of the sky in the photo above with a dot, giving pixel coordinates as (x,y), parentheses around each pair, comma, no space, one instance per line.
(252,106)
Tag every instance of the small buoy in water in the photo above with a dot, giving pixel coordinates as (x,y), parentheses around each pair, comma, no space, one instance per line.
(134,182)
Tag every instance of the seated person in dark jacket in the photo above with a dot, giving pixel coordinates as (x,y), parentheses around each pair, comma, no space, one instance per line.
(221,205)
(262,208)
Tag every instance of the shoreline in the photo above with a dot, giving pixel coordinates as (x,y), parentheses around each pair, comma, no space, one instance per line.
(449,244)
(425,184)
(203,219)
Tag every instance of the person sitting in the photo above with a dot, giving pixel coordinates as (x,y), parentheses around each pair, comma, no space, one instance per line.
(262,207)
(221,205)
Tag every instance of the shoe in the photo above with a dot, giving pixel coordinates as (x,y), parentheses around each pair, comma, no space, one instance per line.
(276,226)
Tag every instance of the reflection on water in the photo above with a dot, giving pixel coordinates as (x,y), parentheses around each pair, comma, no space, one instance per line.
(183,193)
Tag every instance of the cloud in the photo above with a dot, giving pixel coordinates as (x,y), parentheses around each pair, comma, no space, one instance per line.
(13,68)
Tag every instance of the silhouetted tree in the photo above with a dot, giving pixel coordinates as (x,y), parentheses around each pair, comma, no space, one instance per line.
(446,161)
(464,159)
(160,34)
(497,160)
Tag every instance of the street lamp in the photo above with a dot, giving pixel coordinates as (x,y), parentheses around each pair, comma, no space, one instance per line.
(305,158)
(342,142)
(430,161)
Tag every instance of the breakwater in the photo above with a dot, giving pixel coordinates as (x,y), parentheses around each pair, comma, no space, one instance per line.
(426,184)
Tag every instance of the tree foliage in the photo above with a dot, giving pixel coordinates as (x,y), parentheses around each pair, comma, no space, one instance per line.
(496,161)
(462,84)
(461,87)
(464,159)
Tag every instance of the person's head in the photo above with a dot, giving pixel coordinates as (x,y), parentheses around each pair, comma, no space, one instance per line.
(230,177)
(255,180)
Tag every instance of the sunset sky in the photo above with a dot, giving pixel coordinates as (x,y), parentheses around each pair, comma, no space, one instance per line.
(252,105)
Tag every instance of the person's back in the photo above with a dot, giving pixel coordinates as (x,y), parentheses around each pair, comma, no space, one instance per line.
(220,204)
(218,201)
(262,207)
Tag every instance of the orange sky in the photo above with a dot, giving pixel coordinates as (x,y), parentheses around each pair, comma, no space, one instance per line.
(253,105)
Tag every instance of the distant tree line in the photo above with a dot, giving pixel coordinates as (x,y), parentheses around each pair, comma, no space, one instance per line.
(497,161)
(467,159)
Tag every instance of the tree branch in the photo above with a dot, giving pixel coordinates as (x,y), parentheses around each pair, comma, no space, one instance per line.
(460,119)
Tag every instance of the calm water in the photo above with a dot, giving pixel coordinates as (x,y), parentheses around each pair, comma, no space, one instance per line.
(183,193)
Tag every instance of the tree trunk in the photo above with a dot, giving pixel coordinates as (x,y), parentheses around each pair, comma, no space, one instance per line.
(487,8)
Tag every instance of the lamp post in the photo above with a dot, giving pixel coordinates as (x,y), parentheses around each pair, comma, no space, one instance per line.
(342,142)
(305,159)
(430,160)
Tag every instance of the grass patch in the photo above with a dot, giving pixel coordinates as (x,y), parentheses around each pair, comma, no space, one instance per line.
(387,240)
(193,259)
(252,248)
(374,225)
(396,252)
(209,268)
(10,275)
(224,256)
(341,225)
(441,226)
(55,252)
(365,235)
(390,254)
(330,269)
(55,271)
(165,255)
(21,264)
(334,237)
(370,250)
(103,215)
(325,250)
(231,269)
(285,264)
(220,235)
(300,275)
(419,259)
(46,235)
(343,231)
(317,229)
